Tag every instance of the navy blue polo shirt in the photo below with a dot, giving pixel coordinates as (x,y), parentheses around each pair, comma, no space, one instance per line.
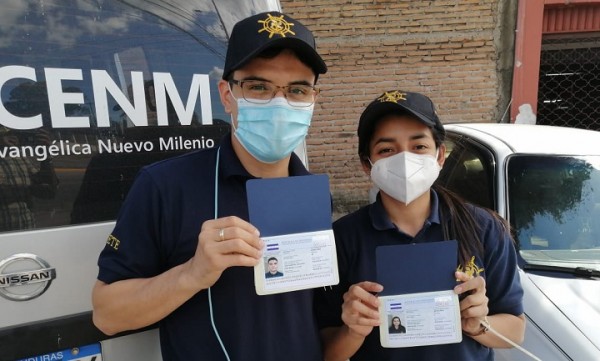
(357,236)
(157,229)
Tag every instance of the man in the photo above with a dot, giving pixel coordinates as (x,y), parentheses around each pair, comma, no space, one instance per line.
(400,145)
(156,267)
(273,272)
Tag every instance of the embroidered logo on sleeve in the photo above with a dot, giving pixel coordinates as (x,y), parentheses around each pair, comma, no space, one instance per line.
(113,242)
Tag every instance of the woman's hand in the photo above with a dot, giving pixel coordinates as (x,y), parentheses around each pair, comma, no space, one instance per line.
(474,306)
(360,309)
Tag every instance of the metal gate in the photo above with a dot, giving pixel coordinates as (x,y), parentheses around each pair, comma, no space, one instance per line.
(569,81)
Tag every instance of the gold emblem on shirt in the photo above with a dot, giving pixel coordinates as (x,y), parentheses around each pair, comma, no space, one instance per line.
(113,242)
(471,269)
(276,25)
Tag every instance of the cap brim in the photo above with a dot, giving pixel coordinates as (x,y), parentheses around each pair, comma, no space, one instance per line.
(303,50)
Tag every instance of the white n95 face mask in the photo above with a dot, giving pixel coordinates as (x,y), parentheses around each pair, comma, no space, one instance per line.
(405,176)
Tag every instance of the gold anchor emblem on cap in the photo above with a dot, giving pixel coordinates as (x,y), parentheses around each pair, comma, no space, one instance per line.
(392,97)
(276,25)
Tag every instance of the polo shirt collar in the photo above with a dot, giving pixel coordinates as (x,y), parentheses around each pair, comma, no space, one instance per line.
(230,164)
(381,221)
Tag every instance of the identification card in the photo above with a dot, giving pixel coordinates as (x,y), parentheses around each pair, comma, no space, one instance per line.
(297,261)
(420,319)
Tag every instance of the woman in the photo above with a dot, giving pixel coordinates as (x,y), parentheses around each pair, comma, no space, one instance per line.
(401,148)
(396,326)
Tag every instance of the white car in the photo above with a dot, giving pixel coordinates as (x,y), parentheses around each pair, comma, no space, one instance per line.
(546,182)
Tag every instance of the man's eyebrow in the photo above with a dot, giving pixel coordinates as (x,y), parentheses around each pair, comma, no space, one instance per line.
(301,82)
(295,82)
(253,77)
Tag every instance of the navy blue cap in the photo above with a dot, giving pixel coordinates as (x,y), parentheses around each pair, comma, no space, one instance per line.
(397,101)
(259,32)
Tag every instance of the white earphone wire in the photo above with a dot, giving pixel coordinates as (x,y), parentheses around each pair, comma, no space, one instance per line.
(210,305)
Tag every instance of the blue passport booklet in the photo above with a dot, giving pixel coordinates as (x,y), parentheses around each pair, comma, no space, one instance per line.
(293,215)
(418,306)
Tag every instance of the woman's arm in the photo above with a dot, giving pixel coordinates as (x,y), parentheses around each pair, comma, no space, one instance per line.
(340,343)
(360,314)
(510,326)
(474,308)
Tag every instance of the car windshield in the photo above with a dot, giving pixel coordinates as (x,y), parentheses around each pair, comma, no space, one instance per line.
(554,209)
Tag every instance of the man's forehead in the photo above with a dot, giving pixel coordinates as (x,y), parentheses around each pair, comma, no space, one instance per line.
(284,64)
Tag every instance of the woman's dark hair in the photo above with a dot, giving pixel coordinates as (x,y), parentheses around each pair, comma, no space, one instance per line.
(462,225)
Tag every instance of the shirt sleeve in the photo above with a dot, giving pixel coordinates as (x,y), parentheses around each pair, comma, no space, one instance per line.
(132,249)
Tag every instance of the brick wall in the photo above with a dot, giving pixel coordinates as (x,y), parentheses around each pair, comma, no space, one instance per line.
(445,49)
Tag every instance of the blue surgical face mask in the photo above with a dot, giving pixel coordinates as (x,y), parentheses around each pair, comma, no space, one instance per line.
(271,131)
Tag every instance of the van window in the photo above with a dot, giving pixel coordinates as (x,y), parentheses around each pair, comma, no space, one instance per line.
(93,90)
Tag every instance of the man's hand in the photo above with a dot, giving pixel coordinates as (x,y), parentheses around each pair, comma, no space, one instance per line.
(223,243)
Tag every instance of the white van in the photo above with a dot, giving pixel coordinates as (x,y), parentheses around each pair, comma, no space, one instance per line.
(91,91)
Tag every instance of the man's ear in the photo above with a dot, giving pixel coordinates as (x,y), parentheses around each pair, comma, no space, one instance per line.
(225,96)
(441,154)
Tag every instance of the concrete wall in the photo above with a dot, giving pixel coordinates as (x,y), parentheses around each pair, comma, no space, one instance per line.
(458,52)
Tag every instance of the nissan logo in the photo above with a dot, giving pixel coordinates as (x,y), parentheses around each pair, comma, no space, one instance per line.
(24,276)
